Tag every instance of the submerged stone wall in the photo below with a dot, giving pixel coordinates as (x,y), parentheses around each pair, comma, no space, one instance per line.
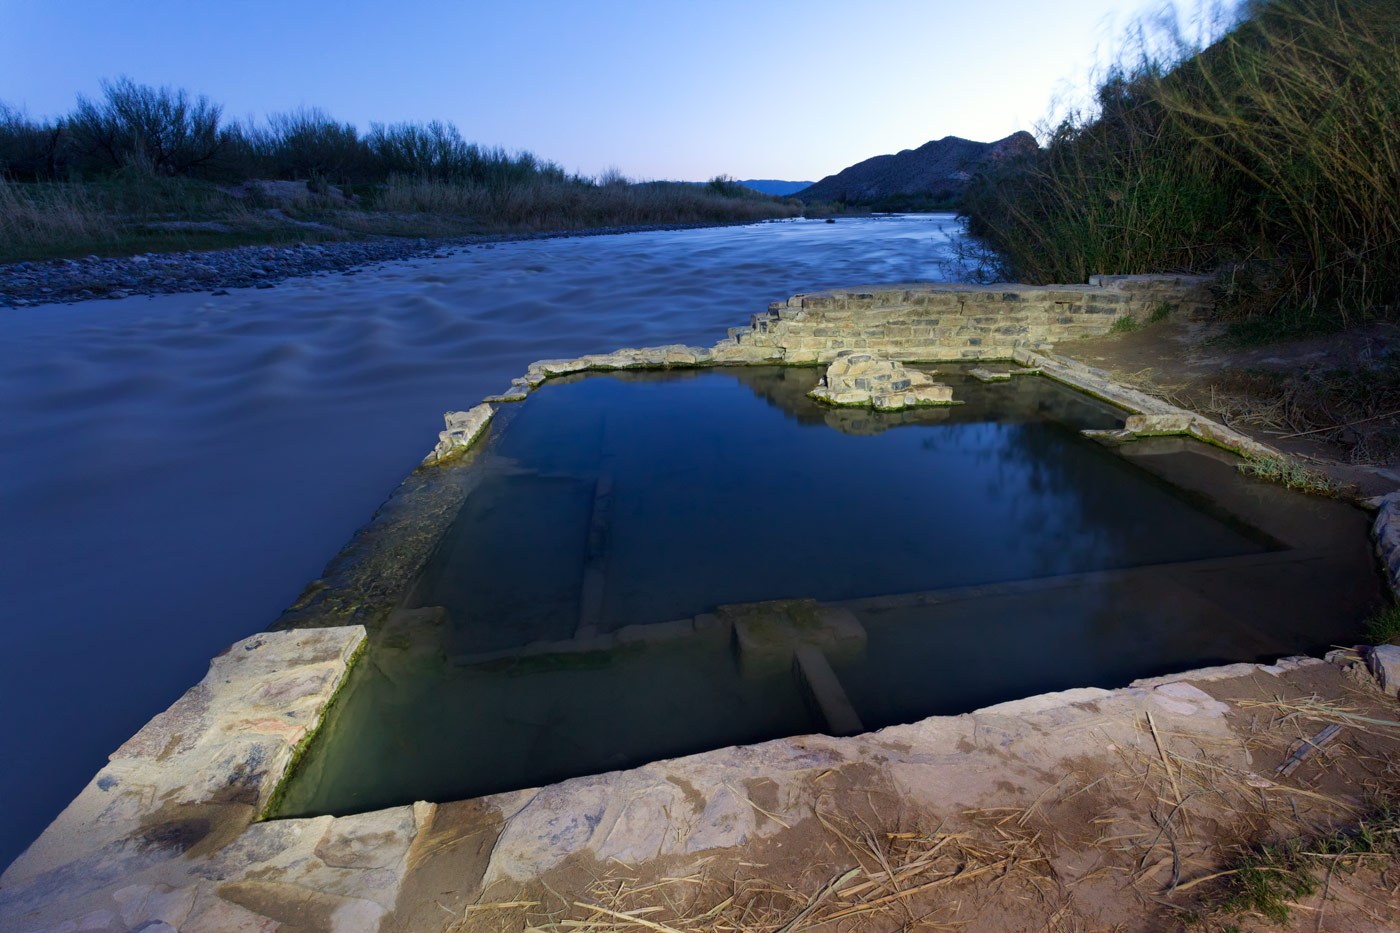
(950,321)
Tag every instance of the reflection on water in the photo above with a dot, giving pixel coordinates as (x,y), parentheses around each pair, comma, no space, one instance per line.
(987,551)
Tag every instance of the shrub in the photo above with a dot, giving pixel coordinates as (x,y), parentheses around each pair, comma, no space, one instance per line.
(1383,626)
(135,124)
(30,150)
(306,142)
(1292,474)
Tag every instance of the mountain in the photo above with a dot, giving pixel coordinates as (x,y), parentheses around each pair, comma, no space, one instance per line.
(773,186)
(936,171)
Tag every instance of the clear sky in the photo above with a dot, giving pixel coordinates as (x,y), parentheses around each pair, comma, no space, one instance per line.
(793,89)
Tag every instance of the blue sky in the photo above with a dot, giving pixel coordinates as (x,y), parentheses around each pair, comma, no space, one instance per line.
(660,89)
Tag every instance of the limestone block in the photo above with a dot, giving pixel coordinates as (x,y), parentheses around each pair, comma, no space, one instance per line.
(768,633)
(678,355)
(191,780)
(618,359)
(560,367)
(733,353)
(922,396)
(1178,422)
(519,390)
(984,374)
(463,428)
(1384,661)
(867,378)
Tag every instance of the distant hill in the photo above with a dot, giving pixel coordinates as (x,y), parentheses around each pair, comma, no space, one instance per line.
(935,172)
(773,186)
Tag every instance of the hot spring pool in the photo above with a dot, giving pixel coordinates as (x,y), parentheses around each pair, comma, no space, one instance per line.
(654,564)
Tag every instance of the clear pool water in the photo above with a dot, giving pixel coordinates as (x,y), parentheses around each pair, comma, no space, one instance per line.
(984,551)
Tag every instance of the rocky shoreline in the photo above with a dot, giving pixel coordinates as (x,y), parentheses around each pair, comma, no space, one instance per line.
(24,284)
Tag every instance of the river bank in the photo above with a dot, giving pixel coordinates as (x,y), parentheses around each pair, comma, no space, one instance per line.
(23,284)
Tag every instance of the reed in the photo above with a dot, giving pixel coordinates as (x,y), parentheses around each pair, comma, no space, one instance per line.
(1273,153)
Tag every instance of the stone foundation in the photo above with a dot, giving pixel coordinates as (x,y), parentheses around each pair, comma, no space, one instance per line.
(945,321)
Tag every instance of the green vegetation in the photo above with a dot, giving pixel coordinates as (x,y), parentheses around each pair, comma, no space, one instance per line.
(828,209)
(1292,474)
(1383,626)
(1125,325)
(1273,154)
(1269,880)
(146,169)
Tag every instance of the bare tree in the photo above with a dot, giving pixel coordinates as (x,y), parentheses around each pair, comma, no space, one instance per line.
(161,128)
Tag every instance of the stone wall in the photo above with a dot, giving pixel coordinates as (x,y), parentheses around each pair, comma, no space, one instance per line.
(949,321)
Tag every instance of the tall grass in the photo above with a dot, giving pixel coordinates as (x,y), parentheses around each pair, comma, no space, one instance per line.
(1276,147)
(128,212)
(37,218)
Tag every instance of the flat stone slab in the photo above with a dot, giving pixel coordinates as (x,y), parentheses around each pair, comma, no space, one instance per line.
(138,842)
(671,355)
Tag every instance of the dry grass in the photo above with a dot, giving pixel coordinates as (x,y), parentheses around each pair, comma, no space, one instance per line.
(1353,404)
(880,879)
(65,214)
(132,214)
(1173,831)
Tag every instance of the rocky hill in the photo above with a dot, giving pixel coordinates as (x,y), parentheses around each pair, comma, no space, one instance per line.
(935,171)
(775,186)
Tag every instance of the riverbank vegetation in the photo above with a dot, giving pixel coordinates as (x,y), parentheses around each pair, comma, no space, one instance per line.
(1272,154)
(148,169)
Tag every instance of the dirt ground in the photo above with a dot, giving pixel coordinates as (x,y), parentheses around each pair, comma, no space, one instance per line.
(1152,833)
(1265,391)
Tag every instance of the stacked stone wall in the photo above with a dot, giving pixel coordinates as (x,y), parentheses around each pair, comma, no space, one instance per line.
(955,322)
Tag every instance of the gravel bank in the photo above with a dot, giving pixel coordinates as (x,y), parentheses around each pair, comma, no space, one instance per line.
(67,280)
